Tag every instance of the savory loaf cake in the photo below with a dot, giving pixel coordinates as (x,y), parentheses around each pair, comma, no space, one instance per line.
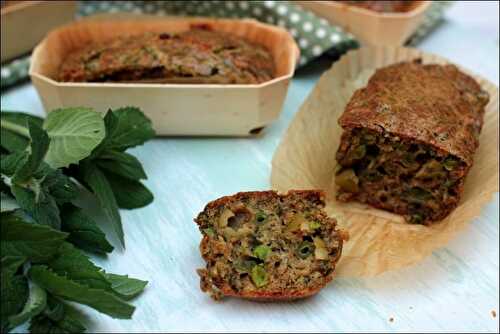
(409,140)
(198,55)
(383,6)
(263,245)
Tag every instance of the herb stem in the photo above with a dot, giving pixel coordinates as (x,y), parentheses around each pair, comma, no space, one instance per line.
(18,129)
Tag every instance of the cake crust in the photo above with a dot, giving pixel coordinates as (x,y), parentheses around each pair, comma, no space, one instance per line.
(434,104)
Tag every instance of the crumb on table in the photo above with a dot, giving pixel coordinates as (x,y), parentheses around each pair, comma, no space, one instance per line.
(493,313)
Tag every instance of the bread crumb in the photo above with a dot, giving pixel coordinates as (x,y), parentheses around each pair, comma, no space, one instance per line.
(493,314)
(391,319)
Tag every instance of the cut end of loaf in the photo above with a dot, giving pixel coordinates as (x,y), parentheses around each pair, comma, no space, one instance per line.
(400,175)
(268,246)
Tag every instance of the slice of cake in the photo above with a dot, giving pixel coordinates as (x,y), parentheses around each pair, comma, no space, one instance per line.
(264,245)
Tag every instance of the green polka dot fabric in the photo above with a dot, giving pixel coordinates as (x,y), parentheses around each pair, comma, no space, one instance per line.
(14,72)
(314,35)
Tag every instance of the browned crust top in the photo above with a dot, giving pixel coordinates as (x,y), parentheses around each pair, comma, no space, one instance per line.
(434,104)
(199,55)
(313,195)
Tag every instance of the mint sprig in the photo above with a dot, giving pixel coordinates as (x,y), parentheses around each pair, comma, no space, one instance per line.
(44,235)
(113,175)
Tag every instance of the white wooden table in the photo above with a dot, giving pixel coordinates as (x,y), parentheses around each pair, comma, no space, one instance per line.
(455,289)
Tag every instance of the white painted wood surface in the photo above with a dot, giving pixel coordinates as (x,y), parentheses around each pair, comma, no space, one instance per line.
(456,289)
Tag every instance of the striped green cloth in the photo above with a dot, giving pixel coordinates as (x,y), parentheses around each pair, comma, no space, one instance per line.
(314,35)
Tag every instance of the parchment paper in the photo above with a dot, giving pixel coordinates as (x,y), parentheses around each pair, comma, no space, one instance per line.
(305,159)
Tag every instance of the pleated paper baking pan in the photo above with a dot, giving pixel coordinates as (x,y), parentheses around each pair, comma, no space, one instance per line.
(175,109)
(370,27)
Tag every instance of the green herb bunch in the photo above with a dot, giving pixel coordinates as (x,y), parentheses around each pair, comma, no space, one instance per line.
(46,165)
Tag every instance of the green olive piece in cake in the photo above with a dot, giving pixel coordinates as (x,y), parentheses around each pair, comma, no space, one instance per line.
(268,246)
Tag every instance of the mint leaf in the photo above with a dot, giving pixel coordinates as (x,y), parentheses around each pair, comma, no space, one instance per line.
(41,194)
(26,197)
(42,324)
(100,186)
(20,118)
(36,242)
(39,144)
(55,308)
(127,288)
(83,231)
(13,142)
(122,164)
(38,203)
(14,130)
(37,301)
(74,133)
(11,264)
(65,288)
(13,290)
(58,317)
(126,127)
(14,293)
(129,194)
(75,265)
(61,187)
(11,162)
